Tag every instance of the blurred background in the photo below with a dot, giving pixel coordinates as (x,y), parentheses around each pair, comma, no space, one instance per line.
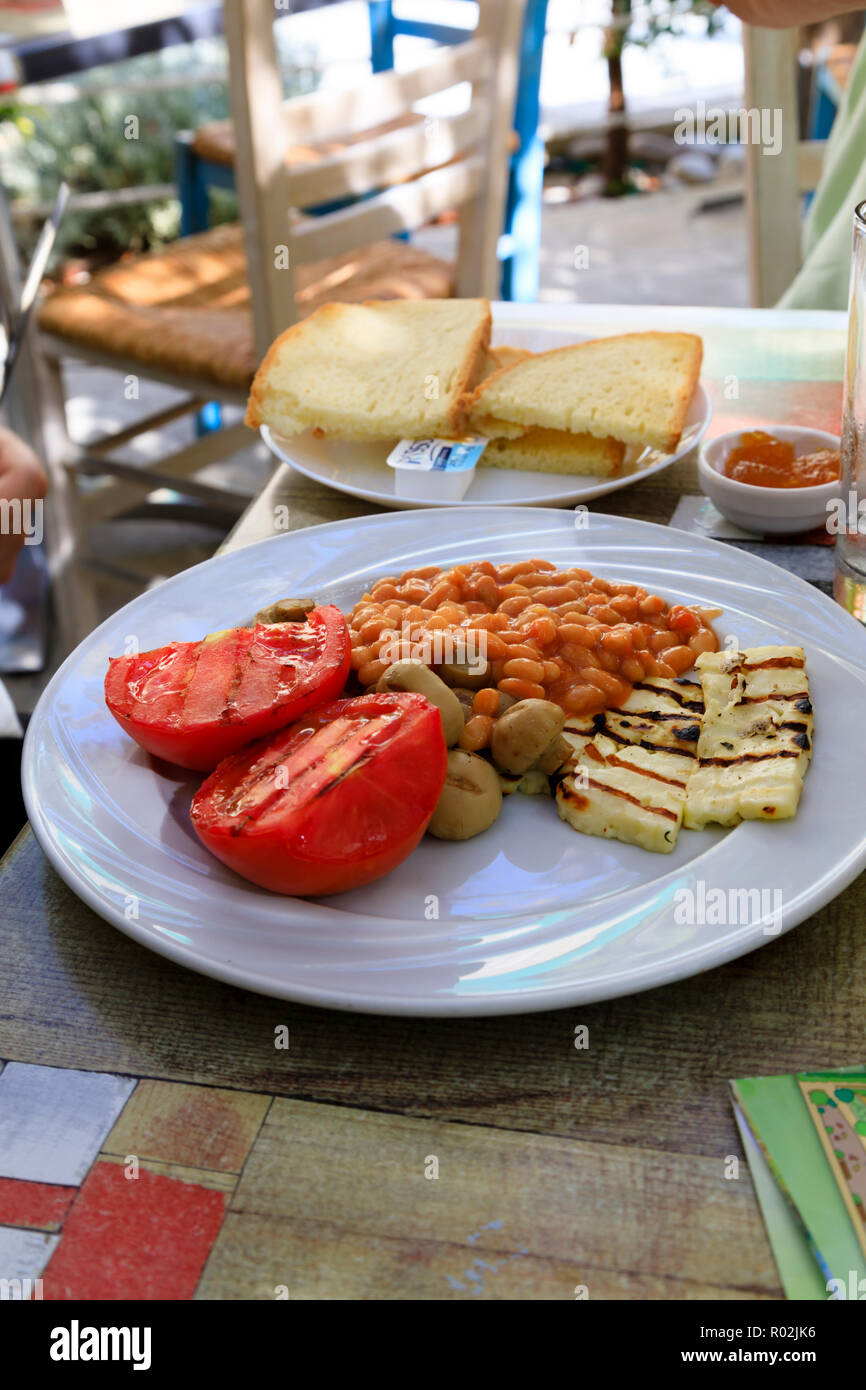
(614,73)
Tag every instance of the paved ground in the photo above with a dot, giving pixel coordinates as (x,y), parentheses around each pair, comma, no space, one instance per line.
(657,249)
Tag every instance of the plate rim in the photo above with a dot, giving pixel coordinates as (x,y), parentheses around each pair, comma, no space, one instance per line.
(602,488)
(543,998)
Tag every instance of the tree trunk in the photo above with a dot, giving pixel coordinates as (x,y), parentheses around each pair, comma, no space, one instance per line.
(616,145)
(615,162)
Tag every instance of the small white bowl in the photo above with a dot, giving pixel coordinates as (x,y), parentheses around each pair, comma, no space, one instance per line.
(768,511)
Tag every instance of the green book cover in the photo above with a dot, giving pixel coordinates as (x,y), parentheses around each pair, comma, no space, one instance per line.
(801,1275)
(796,1123)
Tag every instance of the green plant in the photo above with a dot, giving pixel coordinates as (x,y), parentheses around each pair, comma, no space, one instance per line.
(94,145)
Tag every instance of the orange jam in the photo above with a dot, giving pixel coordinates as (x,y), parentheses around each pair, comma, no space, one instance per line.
(765,461)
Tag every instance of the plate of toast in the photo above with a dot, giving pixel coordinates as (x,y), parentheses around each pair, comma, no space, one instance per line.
(563,418)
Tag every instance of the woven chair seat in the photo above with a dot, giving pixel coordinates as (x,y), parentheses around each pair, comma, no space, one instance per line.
(185,310)
(216,142)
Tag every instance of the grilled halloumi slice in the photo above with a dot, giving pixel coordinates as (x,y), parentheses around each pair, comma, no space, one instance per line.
(628,774)
(628,793)
(756,739)
(658,713)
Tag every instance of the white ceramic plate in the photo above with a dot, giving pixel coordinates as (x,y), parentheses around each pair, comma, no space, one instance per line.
(361,471)
(528,916)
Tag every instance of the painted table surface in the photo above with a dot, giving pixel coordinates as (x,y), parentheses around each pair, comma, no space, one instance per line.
(163,1135)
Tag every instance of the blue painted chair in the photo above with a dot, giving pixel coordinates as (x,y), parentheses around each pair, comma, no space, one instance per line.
(521,239)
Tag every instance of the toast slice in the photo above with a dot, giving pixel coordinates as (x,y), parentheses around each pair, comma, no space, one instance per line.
(635,387)
(386,369)
(756,739)
(538,450)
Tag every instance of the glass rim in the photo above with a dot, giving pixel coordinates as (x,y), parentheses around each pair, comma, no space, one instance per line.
(860,214)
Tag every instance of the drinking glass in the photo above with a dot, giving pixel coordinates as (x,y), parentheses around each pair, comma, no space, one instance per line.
(850,582)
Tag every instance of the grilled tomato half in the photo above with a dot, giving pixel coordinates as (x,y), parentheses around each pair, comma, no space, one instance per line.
(194,703)
(337,800)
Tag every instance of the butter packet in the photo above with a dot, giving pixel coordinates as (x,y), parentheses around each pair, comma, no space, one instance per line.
(436,469)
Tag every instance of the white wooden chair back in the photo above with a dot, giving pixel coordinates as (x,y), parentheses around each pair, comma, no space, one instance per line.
(420,170)
(775,183)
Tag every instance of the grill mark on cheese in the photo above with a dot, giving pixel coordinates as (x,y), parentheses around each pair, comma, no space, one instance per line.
(781,697)
(782,663)
(581,801)
(748,758)
(614,761)
(603,728)
(652,716)
(696,705)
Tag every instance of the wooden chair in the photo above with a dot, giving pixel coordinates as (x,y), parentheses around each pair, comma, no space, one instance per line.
(200,314)
(776,184)
(205,157)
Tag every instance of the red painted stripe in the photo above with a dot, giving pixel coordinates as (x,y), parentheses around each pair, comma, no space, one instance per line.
(35,1205)
(145,1237)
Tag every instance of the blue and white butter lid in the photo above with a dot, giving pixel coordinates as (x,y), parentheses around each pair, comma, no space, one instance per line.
(435,470)
(438,455)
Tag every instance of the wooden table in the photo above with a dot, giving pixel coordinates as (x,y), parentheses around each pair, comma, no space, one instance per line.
(303,1171)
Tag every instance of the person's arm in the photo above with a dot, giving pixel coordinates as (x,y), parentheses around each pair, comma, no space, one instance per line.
(789,14)
(22,479)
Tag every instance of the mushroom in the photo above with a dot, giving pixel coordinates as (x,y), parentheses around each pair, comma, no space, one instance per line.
(525,733)
(412,674)
(286,610)
(471,675)
(470,800)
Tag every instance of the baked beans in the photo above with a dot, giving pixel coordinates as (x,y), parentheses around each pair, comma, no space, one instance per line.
(565,636)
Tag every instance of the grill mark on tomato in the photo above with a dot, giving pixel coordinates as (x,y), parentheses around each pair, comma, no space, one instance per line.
(252,780)
(184,695)
(327,749)
(360,761)
(615,791)
(270,771)
(242,650)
